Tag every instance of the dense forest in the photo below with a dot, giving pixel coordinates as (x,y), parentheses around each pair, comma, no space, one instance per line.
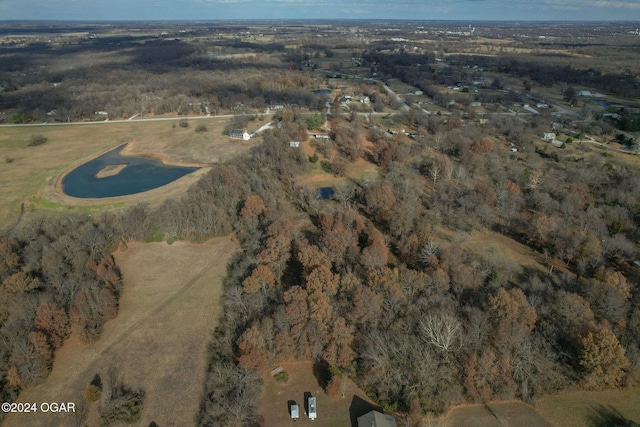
(57,275)
(367,283)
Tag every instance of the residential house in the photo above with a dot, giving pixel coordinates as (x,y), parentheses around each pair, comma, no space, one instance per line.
(240,134)
(376,419)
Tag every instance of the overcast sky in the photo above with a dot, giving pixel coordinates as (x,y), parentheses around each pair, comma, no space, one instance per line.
(473,10)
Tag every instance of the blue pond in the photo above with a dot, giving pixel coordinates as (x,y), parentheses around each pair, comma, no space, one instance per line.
(325,193)
(322,92)
(140,174)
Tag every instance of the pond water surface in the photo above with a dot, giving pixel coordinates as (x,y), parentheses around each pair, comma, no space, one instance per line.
(140,174)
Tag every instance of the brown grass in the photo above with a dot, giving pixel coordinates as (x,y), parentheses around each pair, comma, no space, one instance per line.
(496,414)
(169,307)
(316,177)
(273,408)
(33,173)
(573,408)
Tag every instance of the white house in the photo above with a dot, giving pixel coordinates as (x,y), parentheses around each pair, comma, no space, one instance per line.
(240,134)
(549,136)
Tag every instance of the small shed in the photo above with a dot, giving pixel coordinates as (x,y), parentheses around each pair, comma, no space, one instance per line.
(311,402)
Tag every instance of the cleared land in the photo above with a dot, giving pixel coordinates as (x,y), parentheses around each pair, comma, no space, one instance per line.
(168,310)
(317,177)
(497,414)
(273,405)
(580,408)
(28,174)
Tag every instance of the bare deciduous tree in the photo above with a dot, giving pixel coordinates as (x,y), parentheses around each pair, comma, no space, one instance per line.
(442,330)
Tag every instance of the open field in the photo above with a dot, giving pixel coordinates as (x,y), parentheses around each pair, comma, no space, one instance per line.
(273,408)
(580,408)
(30,173)
(496,414)
(317,177)
(158,341)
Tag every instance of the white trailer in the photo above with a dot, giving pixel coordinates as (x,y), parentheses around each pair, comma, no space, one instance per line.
(311,403)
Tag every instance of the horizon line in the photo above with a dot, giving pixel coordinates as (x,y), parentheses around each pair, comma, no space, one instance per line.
(407,20)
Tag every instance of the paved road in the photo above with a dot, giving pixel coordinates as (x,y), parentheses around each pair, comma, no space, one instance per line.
(400,100)
(157,119)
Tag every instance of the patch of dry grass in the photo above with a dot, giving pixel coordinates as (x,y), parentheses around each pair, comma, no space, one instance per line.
(273,408)
(573,408)
(496,414)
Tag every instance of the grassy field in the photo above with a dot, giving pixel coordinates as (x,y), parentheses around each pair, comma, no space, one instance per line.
(498,414)
(273,405)
(169,307)
(588,408)
(27,170)
(317,177)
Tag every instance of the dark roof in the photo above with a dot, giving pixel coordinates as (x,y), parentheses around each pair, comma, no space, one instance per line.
(376,419)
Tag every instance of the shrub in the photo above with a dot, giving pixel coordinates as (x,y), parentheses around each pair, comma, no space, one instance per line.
(94,391)
(314,158)
(314,121)
(9,159)
(156,237)
(37,139)
(125,406)
(92,394)
(281,377)
(183,123)
(201,128)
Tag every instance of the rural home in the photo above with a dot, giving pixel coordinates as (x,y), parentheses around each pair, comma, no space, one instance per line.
(549,136)
(240,134)
(376,419)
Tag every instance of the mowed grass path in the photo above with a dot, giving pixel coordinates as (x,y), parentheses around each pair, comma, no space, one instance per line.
(24,170)
(169,307)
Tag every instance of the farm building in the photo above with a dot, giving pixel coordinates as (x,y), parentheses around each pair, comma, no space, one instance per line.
(240,134)
(376,419)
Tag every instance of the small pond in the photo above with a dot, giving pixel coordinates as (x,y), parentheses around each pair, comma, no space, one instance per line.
(135,175)
(322,92)
(325,193)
